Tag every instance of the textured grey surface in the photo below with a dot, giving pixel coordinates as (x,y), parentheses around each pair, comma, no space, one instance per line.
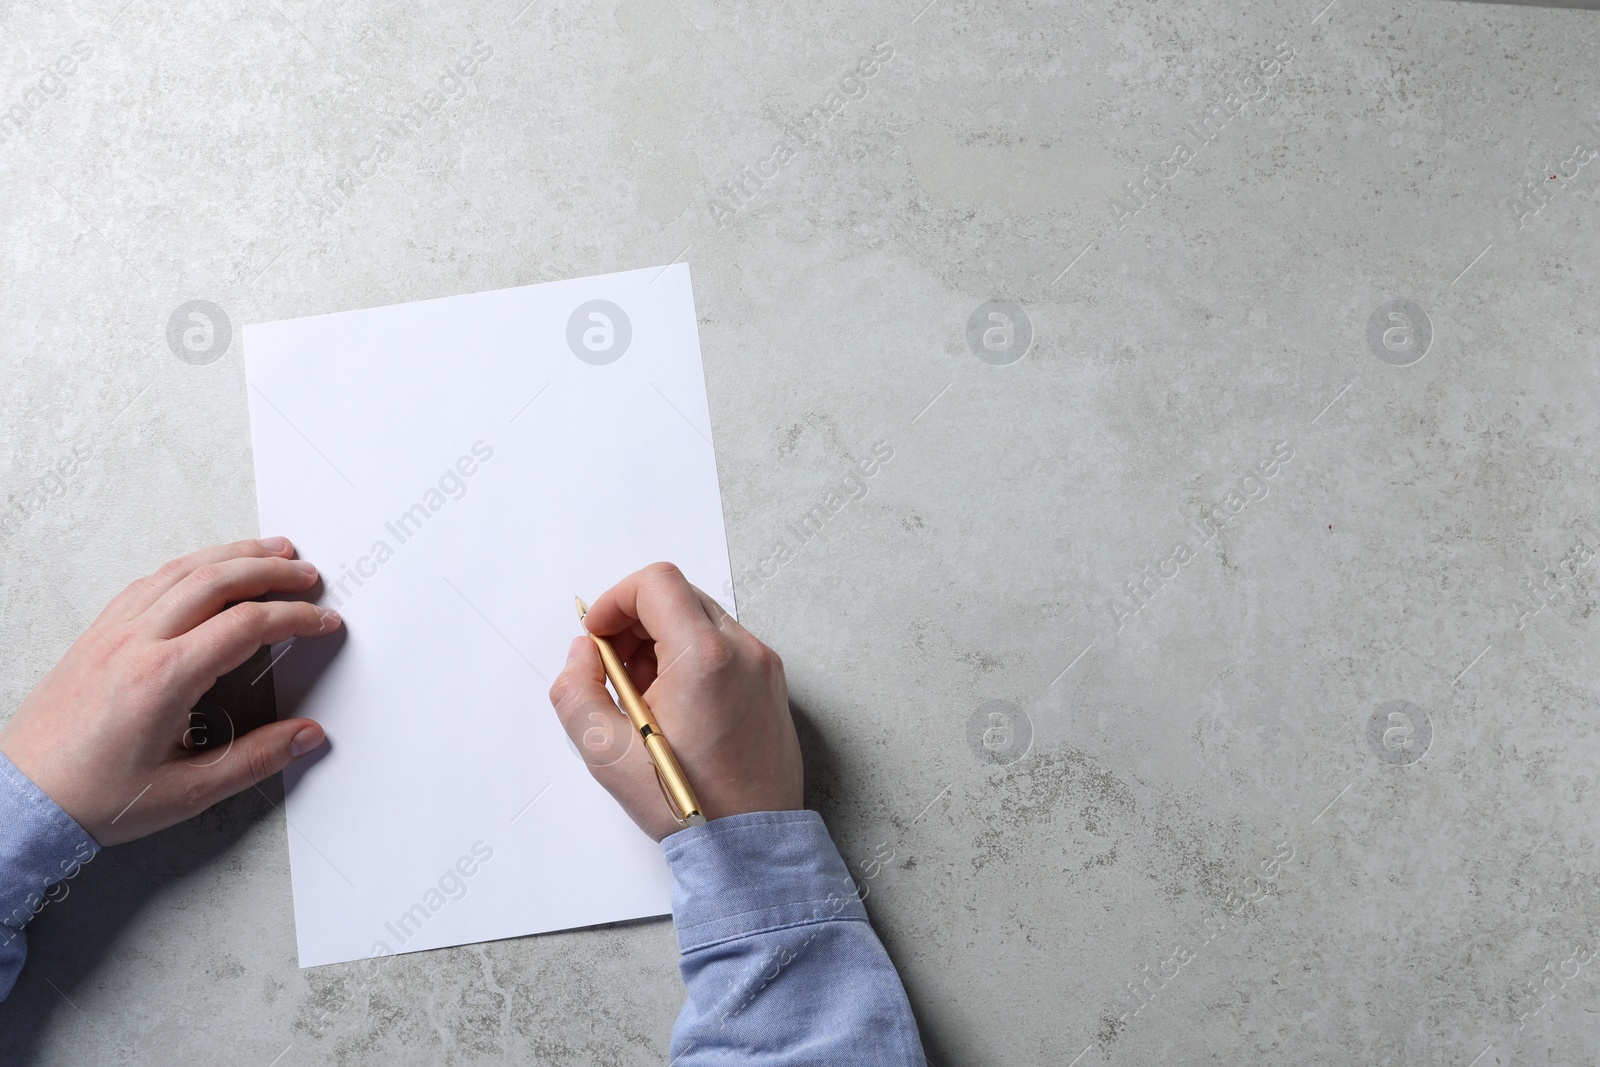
(1174,751)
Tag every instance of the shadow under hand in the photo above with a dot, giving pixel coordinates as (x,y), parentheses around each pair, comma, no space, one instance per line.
(824,765)
(828,770)
(295,675)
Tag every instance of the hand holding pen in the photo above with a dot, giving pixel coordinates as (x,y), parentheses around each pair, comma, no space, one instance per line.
(713,689)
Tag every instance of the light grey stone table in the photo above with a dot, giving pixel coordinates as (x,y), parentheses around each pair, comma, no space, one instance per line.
(1210,674)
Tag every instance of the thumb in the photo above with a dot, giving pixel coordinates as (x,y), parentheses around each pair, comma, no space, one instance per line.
(594,723)
(257,755)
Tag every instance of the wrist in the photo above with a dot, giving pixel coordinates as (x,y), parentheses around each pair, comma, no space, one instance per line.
(758,871)
(40,847)
(36,769)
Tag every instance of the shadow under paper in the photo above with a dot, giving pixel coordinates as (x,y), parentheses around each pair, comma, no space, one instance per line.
(1587,5)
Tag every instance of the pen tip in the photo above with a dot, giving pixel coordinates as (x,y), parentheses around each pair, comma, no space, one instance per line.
(583,609)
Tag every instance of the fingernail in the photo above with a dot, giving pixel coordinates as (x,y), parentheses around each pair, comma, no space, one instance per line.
(303,566)
(307,739)
(330,621)
(274,544)
(572,649)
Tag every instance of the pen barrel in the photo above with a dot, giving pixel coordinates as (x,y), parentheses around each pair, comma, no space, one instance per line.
(633,704)
(673,780)
(674,783)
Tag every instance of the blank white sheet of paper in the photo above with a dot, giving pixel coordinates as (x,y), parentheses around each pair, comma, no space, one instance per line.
(458,469)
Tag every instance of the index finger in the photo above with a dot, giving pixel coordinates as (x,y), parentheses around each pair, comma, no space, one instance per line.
(146,591)
(658,598)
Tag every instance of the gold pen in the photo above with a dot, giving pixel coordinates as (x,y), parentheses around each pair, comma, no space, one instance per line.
(681,801)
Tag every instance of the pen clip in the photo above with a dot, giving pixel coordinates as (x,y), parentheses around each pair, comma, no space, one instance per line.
(671,807)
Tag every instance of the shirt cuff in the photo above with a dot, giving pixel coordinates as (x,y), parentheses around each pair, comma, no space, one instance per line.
(748,874)
(40,845)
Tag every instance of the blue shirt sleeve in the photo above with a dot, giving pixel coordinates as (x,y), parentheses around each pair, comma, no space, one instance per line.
(41,848)
(781,964)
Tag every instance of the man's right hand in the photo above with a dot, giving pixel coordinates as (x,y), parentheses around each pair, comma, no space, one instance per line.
(717,693)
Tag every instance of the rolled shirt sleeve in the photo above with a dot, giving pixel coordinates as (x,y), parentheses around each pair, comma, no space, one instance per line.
(40,848)
(781,963)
